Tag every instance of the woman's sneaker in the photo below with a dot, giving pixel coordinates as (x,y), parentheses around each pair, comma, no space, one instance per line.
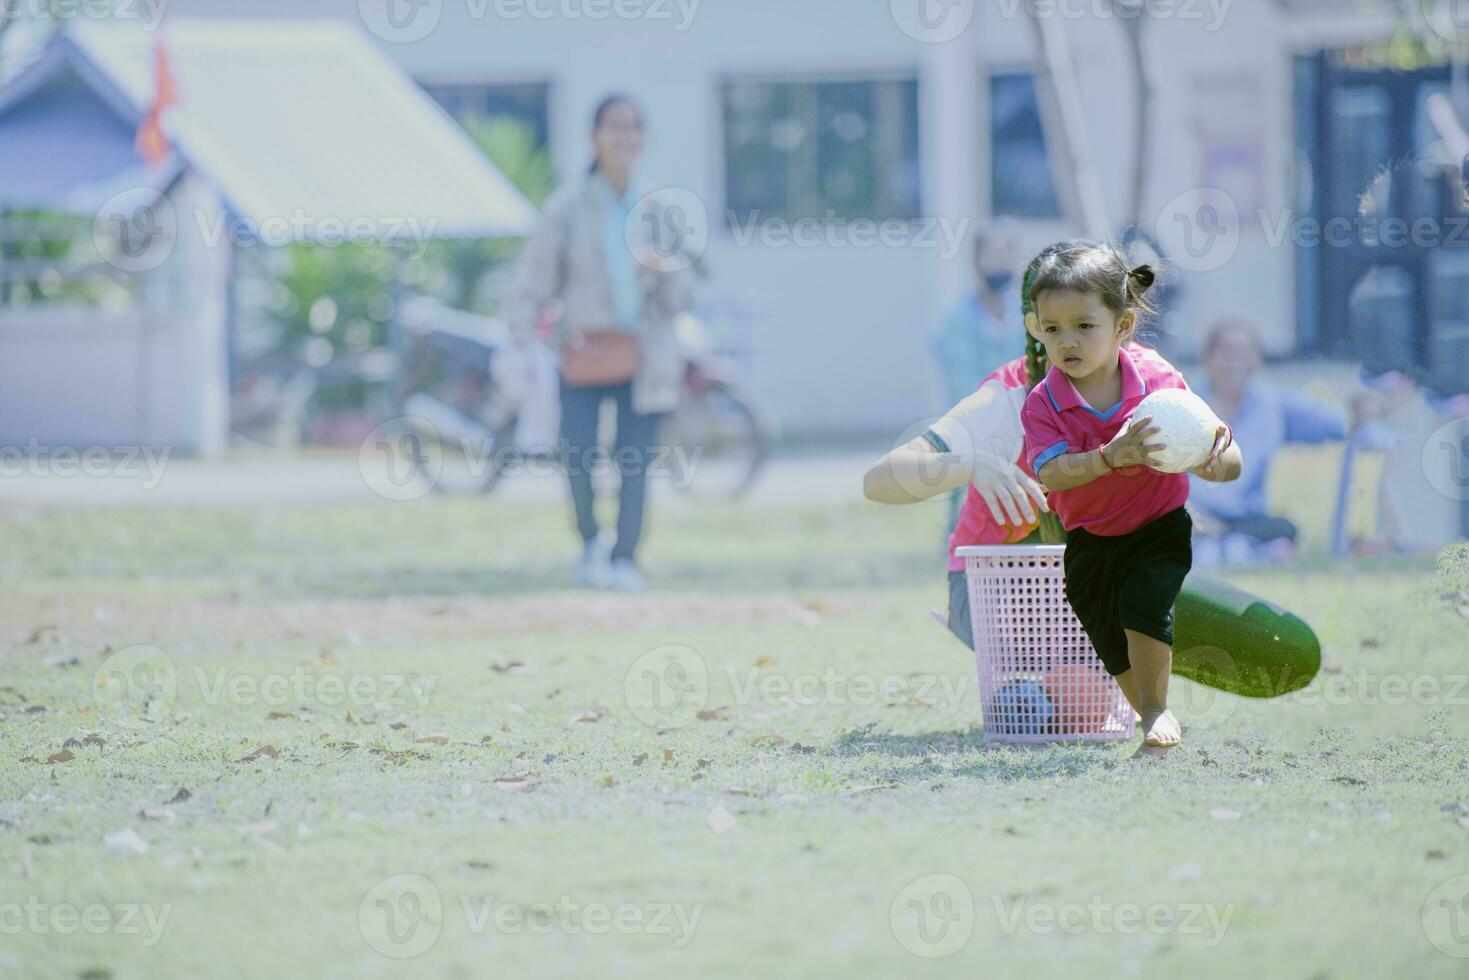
(625,577)
(593,572)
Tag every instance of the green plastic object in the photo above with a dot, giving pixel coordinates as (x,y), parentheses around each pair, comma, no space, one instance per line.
(1230,640)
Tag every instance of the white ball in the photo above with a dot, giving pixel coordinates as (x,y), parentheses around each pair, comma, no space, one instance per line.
(1186,426)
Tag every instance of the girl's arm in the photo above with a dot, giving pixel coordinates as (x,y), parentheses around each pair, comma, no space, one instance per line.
(1129,447)
(921,469)
(913,472)
(917,471)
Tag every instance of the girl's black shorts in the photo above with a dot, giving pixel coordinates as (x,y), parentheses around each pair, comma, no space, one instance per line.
(1128,582)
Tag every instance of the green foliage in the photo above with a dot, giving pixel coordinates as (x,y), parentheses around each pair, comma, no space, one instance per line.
(339,294)
(511,146)
(1453,567)
(459,269)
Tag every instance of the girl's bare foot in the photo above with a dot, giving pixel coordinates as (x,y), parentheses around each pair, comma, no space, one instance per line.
(1161,730)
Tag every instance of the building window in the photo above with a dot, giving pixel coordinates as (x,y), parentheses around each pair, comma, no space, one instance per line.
(825,150)
(1021,184)
(526,102)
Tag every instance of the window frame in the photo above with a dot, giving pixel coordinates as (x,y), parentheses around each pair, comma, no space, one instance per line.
(722,80)
(987,189)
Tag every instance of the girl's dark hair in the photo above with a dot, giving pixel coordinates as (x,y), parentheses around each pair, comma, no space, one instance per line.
(1085,267)
(599,115)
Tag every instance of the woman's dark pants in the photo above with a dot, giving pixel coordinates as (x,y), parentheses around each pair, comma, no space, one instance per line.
(633,451)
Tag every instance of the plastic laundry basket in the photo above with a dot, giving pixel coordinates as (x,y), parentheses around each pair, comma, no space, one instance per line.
(1039,678)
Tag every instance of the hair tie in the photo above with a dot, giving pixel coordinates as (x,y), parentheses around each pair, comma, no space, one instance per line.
(1142,275)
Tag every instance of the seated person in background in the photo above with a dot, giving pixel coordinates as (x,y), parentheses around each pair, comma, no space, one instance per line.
(1425,445)
(979,333)
(1231,521)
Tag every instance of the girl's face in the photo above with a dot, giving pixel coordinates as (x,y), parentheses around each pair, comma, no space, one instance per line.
(618,138)
(1081,336)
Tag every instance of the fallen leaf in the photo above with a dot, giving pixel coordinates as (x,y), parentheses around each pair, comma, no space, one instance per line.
(504,667)
(869,787)
(760,740)
(94,739)
(162,814)
(264,752)
(125,841)
(640,758)
(738,791)
(713,714)
(433,740)
(1224,813)
(667,756)
(608,782)
(182,796)
(514,784)
(720,820)
(764,662)
(586,716)
(278,715)
(65,755)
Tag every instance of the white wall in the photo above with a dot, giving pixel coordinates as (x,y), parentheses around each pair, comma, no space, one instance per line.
(840,333)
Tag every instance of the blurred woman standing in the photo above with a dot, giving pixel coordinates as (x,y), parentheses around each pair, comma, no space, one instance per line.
(601,259)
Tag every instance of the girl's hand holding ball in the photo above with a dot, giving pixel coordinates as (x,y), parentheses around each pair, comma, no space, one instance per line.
(1213,467)
(1130,446)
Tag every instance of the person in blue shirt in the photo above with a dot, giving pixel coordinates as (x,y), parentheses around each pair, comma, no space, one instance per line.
(1232,520)
(981,331)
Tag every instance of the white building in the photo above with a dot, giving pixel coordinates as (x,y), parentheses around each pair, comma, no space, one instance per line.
(253,163)
(839,330)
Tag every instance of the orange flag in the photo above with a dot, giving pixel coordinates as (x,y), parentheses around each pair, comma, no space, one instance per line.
(151,142)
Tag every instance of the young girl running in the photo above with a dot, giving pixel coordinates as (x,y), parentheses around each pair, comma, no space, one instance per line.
(1128,535)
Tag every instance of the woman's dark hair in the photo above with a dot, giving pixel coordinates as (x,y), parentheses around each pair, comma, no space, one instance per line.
(1223,328)
(599,115)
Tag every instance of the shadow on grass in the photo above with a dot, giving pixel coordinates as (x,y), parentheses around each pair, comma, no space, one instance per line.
(747,577)
(987,761)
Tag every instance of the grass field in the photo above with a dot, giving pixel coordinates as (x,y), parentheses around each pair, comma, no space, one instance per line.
(391,741)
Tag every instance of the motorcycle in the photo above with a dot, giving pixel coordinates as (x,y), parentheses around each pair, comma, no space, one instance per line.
(463,392)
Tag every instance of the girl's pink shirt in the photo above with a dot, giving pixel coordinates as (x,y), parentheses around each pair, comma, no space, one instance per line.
(1058,421)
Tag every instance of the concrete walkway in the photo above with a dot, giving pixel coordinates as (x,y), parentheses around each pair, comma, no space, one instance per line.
(791,477)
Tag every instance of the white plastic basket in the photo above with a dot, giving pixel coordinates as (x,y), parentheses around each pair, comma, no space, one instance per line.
(1040,680)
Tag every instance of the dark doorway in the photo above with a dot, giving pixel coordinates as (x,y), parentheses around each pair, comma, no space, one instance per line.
(1383,266)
